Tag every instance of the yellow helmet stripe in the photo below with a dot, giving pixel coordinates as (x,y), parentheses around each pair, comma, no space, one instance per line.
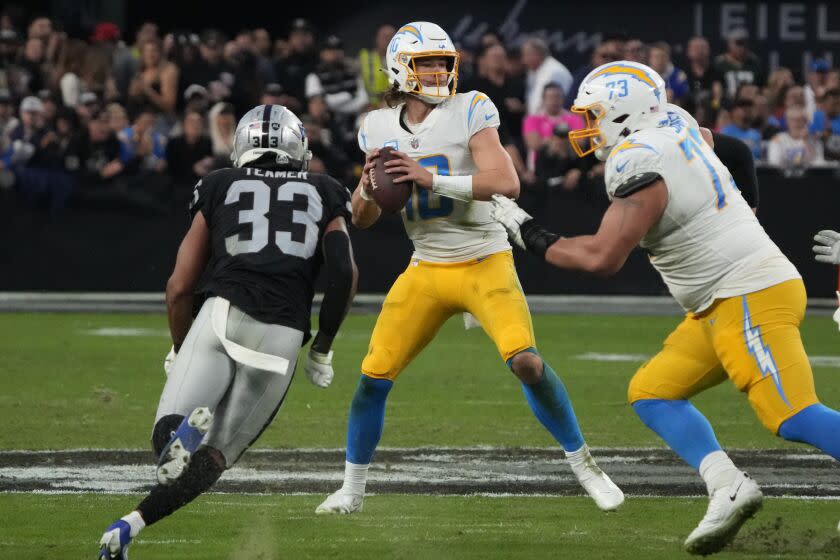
(628,145)
(641,75)
(411,29)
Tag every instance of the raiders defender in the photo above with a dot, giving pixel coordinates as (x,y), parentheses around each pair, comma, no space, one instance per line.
(262,229)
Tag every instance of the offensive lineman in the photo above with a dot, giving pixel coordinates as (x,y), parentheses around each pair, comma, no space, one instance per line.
(262,229)
(448,145)
(744,300)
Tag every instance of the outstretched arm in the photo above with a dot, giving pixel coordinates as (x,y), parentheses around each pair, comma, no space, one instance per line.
(623,226)
(189,264)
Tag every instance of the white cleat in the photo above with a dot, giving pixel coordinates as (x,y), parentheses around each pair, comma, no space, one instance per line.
(607,495)
(341,503)
(729,508)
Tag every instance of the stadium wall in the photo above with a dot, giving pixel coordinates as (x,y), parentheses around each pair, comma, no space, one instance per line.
(127,248)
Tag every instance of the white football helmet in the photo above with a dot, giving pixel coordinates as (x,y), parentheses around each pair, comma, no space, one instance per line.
(271,129)
(616,99)
(420,39)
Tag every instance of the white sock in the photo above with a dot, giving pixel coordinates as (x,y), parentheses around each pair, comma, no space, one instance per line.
(355,478)
(579,456)
(718,470)
(135,521)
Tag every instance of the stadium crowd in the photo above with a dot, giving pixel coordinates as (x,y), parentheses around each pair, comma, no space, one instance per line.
(115,120)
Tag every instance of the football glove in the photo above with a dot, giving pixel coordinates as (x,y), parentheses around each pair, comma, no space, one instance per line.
(827,249)
(511,216)
(169,361)
(318,368)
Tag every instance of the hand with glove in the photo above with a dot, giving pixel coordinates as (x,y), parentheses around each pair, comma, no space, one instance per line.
(521,227)
(827,249)
(318,368)
(169,361)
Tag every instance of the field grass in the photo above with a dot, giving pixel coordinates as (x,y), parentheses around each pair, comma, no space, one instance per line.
(227,527)
(62,386)
(65,385)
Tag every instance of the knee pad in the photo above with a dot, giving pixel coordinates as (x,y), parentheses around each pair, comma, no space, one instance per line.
(163,431)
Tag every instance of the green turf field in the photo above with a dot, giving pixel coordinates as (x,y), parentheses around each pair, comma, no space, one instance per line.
(63,387)
(224,527)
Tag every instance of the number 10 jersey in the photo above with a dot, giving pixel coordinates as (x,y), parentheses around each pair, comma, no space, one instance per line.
(265,231)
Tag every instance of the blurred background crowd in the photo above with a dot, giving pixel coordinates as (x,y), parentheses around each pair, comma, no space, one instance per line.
(133,118)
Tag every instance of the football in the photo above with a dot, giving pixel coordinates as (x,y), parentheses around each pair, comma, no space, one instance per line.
(390,196)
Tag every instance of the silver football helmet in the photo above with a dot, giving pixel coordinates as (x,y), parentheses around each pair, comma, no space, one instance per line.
(271,129)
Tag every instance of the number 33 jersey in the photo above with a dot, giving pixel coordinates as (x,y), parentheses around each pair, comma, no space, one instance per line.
(442,229)
(708,244)
(265,233)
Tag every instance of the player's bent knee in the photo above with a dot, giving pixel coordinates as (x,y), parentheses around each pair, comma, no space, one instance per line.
(527,366)
(163,430)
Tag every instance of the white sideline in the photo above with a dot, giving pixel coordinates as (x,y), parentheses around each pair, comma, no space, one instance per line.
(146,302)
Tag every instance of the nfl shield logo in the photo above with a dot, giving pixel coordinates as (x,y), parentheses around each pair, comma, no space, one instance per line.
(415,142)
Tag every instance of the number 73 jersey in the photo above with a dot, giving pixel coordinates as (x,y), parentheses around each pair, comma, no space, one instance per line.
(708,244)
(265,232)
(442,229)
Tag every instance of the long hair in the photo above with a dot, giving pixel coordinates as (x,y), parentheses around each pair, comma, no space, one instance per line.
(394,97)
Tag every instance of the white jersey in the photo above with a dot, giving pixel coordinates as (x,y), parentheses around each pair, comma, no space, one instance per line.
(708,244)
(442,229)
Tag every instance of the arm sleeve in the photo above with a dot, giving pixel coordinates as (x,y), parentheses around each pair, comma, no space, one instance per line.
(481,113)
(338,293)
(737,157)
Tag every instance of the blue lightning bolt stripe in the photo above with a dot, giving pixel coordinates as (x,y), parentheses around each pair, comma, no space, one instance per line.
(761,352)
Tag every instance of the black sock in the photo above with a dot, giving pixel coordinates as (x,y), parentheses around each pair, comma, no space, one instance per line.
(202,472)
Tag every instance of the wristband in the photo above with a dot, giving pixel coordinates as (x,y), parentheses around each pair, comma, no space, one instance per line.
(364,194)
(458,187)
(537,240)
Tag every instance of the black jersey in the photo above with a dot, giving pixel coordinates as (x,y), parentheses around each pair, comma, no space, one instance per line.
(265,230)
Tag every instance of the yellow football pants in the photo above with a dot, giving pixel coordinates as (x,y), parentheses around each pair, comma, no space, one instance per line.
(427,294)
(752,339)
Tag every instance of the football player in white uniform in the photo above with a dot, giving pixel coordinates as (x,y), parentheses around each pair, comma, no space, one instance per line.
(449,147)
(743,299)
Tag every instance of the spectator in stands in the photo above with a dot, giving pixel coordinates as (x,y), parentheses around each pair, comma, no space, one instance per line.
(210,69)
(607,51)
(778,83)
(826,124)
(87,106)
(676,82)
(538,129)
(94,157)
(796,147)
(371,62)
(815,86)
(141,148)
(8,121)
(117,118)
(263,66)
(299,60)
(741,116)
(794,97)
(326,158)
(68,72)
(738,64)
(222,125)
(275,94)
(557,164)
(50,106)
(96,74)
(542,70)
(705,89)
(262,42)
(28,136)
(148,31)
(156,81)
(492,79)
(31,66)
(189,157)
(635,50)
(763,120)
(196,98)
(337,80)
(106,35)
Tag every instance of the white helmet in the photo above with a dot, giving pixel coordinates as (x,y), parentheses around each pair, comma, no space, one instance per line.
(271,129)
(616,99)
(417,40)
